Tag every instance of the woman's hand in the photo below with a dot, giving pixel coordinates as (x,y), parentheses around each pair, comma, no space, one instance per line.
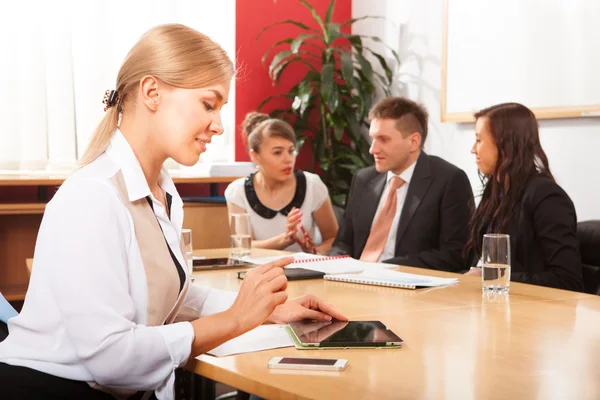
(291,232)
(305,307)
(262,291)
(306,243)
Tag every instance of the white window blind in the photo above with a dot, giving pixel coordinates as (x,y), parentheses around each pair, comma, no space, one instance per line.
(58,57)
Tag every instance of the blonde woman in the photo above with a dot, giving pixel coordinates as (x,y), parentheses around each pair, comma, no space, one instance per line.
(105,310)
(286,206)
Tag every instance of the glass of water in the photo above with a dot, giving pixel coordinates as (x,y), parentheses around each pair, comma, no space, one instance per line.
(496,263)
(241,235)
(186,237)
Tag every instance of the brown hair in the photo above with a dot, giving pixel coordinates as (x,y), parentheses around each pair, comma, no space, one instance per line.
(410,116)
(514,130)
(252,120)
(173,53)
(272,127)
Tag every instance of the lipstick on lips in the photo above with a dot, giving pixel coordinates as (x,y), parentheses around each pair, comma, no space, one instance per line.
(287,171)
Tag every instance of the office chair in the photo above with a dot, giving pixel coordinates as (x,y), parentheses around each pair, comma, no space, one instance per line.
(588,233)
(6,311)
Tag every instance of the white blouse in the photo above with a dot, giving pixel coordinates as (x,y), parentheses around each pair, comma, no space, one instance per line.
(84,316)
(263,228)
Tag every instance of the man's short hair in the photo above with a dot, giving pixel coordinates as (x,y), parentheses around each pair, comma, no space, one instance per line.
(410,116)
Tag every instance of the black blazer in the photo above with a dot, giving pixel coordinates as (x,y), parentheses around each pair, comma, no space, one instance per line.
(543,238)
(433,222)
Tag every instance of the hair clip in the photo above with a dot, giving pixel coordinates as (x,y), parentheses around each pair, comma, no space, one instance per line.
(111,97)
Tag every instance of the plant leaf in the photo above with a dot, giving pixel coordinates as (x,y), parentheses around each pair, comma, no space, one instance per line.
(378,40)
(305,94)
(338,132)
(352,157)
(353,20)
(347,67)
(300,140)
(355,41)
(329,13)
(264,57)
(314,14)
(297,42)
(275,73)
(268,99)
(350,167)
(365,66)
(333,101)
(327,81)
(333,32)
(384,65)
(286,22)
(279,57)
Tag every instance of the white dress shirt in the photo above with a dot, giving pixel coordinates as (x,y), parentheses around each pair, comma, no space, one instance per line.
(85,312)
(389,250)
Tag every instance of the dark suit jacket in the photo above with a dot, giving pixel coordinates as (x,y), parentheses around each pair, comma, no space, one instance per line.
(433,227)
(543,238)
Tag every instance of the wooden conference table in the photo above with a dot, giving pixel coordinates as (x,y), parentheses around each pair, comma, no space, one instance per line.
(539,343)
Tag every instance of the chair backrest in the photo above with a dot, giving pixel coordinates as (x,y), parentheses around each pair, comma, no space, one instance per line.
(588,234)
(591,279)
(6,310)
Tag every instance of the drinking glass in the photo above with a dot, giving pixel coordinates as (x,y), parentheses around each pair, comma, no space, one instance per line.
(241,235)
(495,272)
(186,237)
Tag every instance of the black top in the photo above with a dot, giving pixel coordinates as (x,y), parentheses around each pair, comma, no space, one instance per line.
(543,238)
(268,213)
(433,227)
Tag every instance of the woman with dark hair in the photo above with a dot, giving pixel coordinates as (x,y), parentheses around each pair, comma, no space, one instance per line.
(521,198)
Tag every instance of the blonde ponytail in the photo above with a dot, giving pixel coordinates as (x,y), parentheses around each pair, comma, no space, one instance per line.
(173,53)
(101,137)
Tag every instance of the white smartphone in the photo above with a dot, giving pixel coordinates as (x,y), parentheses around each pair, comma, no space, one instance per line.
(314,364)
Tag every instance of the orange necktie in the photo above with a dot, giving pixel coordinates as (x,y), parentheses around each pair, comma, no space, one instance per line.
(383,222)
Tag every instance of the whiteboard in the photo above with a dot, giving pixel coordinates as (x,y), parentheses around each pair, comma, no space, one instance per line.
(544,54)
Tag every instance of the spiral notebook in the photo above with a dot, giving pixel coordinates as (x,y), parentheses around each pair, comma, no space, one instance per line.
(330,265)
(383,277)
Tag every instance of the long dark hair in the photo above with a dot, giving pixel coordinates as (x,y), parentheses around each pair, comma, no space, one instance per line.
(514,129)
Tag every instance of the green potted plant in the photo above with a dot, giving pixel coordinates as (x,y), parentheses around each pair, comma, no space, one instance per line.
(330,103)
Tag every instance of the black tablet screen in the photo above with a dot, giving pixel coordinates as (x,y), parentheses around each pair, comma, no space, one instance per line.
(344,333)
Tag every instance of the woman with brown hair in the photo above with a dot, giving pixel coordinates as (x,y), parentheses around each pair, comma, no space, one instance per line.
(286,206)
(110,309)
(251,121)
(522,199)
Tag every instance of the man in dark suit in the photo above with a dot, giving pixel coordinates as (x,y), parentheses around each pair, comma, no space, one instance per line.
(410,208)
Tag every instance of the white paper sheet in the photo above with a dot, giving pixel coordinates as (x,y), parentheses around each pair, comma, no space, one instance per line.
(264,337)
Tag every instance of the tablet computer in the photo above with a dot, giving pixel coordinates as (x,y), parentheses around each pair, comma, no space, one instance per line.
(342,334)
(204,264)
